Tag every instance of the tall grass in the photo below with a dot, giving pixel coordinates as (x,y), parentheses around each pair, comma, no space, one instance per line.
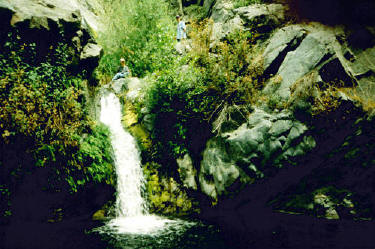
(140,31)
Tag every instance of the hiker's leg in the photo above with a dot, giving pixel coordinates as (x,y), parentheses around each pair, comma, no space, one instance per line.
(118,76)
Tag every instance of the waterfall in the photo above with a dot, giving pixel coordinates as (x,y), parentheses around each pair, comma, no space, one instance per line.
(131,213)
(130,179)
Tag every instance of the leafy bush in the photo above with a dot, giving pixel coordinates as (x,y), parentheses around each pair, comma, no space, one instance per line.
(179,102)
(230,68)
(42,118)
(188,96)
(95,158)
(141,32)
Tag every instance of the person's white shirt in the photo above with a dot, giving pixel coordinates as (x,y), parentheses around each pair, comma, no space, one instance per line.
(181,34)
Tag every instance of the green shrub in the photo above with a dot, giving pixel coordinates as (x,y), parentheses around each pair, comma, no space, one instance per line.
(95,158)
(187,96)
(230,69)
(42,118)
(141,32)
(179,102)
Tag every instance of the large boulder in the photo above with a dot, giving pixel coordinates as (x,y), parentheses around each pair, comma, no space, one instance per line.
(261,18)
(265,141)
(295,51)
(218,172)
(208,4)
(135,86)
(221,30)
(222,11)
(301,61)
(48,13)
(90,55)
(187,172)
(284,40)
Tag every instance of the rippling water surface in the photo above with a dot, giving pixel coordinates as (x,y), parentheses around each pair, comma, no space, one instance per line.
(159,233)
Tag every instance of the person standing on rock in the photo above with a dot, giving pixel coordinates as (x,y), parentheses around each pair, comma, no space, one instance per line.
(123,70)
(181,29)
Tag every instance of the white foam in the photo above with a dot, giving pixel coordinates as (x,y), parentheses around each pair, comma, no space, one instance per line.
(145,224)
(130,179)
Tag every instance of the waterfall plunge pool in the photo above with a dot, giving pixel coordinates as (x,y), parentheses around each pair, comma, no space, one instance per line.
(155,232)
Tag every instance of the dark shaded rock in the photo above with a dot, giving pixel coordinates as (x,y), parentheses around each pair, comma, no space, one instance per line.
(249,220)
(6,13)
(334,12)
(47,23)
(90,56)
(333,71)
(361,38)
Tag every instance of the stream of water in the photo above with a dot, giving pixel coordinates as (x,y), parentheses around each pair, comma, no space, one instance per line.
(133,226)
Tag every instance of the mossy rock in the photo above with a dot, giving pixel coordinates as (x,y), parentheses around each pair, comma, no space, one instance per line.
(99,215)
(130,117)
(141,135)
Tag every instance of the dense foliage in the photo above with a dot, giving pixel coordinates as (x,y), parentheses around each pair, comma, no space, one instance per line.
(189,95)
(140,31)
(43,118)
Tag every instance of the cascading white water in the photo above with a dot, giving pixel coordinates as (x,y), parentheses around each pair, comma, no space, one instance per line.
(131,212)
(127,160)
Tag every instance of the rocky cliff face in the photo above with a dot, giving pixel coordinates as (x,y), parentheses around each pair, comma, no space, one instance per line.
(310,150)
(302,62)
(46,23)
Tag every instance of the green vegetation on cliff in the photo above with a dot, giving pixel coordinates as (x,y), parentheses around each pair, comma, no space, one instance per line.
(141,32)
(44,123)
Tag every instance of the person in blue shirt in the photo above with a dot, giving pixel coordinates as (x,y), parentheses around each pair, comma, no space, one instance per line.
(123,71)
(181,29)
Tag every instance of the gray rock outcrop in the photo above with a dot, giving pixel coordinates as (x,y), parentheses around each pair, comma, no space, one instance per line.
(135,86)
(297,50)
(47,13)
(298,60)
(261,18)
(284,40)
(245,154)
(187,172)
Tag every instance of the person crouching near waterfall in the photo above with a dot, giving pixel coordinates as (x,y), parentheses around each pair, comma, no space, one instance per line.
(122,72)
